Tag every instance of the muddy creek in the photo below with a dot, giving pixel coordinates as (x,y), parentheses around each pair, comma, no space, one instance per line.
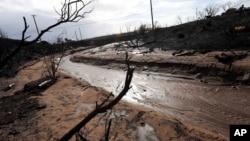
(210,106)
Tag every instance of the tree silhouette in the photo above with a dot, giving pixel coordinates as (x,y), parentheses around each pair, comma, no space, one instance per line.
(71,11)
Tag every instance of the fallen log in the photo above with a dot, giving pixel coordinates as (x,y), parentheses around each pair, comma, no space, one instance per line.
(40,84)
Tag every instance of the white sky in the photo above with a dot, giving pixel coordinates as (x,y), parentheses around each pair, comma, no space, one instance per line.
(108,17)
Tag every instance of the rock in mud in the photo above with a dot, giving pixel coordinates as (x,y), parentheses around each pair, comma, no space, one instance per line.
(198,76)
(246,78)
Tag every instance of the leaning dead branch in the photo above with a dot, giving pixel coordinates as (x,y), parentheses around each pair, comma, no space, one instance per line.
(5,60)
(71,11)
(103,108)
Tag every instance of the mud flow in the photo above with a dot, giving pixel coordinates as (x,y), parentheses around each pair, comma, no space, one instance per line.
(212,106)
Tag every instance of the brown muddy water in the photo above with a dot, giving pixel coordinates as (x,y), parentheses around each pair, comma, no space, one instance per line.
(210,106)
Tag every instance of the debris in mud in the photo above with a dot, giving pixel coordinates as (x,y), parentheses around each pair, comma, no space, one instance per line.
(145,68)
(14,132)
(16,107)
(8,87)
(184,53)
(198,76)
(146,133)
(136,120)
(229,58)
(177,52)
(246,78)
(20,105)
(41,106)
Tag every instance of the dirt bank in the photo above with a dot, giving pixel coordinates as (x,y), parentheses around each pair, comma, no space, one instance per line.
(202,65)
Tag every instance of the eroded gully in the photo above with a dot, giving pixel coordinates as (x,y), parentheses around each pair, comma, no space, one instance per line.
(210,106)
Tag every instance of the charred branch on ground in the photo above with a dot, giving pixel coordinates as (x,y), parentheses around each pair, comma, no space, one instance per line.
(104,106)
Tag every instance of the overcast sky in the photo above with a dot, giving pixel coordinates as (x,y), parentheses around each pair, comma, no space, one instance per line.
(108,17)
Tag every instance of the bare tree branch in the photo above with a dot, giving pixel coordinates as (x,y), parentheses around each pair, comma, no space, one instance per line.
(68,14)
(178,20)
(104,108)
(107,129)
(231,4)
(104,101)
(140,37)
(79,137)
(211,10)
(12,54)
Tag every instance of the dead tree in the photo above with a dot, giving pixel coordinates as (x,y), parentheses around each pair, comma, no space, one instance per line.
(179,20)
(203,17)
(104,106)
(231,4)
(141,37)
(71,11)
(211,10)
(52,63)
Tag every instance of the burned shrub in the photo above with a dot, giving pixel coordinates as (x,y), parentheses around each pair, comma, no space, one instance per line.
(181,36)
